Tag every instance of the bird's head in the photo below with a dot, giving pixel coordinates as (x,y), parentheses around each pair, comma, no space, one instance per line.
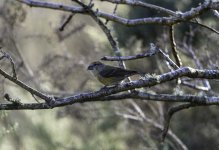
(95,65)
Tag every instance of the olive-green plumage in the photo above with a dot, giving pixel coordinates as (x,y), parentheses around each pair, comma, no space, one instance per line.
(109,75)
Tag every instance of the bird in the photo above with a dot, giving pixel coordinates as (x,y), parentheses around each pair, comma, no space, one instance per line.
(109,75)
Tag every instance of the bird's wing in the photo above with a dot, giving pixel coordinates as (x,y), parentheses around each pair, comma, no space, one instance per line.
(116,72)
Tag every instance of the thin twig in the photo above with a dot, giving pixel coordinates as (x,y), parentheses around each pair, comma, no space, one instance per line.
(114,12)
(156,125)
(167,58)
(173,46)
(216,13)
(170,113)
(7,56)
(194,86)
(68,19)
(13,101)
(138,109)
(205,26)
(35,98)
(151,51)
(198,64)
(73,31)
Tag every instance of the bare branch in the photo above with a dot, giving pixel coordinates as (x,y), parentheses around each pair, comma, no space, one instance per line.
(204,100)
(170,113)
(195,86)
(169,61)
(81,98)
(29,106)
(114,12)
(107,32)
(104,28)
(99,95)
(151,51)
(186,71)
(189,48)
(24,86)
(61,28)
(194,12)
(144,5)
(179,144)
(138,109)
(55,6)
(205,26)
(173,46)
(216,13)
(5,55)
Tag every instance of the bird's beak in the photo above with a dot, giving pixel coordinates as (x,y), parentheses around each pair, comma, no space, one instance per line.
(90,67)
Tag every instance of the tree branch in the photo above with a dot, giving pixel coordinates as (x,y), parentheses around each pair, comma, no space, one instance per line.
(25,87)
(144,5)
(173,46)
(67,20)
(170,113)
(99,95)
(182,72)
(151,51)
(201,100)
(188,15)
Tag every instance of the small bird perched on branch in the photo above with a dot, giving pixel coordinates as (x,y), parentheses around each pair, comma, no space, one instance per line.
(109,75)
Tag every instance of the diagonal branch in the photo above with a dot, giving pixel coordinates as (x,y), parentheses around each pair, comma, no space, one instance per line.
(173,46)
(67,20)
(25,87)
(205,26)
(171,112)
(216,13)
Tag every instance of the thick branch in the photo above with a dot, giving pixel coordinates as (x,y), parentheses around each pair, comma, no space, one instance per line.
(186,71)
(29,106)
(96,96)
(81,98)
